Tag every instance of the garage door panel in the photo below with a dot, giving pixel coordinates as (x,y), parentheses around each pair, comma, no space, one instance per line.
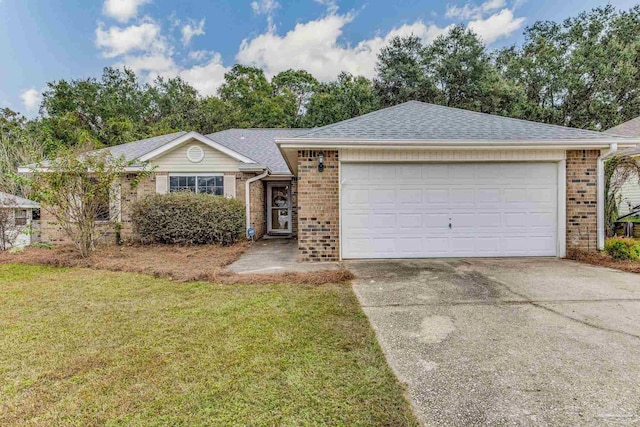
(435,196)
(496,209)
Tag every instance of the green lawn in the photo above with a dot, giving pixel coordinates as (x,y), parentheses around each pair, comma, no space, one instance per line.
(84,347)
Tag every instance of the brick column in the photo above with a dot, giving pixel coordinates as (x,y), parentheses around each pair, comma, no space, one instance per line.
(582,199)
(318,212)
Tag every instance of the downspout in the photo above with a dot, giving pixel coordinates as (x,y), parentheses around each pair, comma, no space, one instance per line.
(613,148)
(247,195)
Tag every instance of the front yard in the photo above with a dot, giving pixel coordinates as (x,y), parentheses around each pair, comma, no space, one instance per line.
(87,347)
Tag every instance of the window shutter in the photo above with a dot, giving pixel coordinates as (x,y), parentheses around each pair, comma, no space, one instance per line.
(230,186)
(162,184)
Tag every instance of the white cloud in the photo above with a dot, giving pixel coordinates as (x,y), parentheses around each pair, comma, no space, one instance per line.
(496,26)
(200,55)
(332,5)
(268,8)
(208,77)
(314,46)
(116,41)
(192,29)
(472,11)
(31,98)
(122,10)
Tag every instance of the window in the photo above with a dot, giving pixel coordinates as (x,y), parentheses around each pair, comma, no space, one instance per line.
(208,184)
(21,217)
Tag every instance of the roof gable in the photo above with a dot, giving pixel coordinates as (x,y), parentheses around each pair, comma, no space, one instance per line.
(419,121)
(172,144)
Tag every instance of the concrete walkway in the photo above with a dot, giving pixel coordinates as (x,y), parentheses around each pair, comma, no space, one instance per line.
(276,256)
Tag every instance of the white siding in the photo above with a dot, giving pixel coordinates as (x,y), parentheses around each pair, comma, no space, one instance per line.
(369,155)
(630,195)
(177,161)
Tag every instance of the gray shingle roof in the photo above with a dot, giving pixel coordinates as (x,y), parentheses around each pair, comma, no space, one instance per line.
(415,120)
(19,202)
(136,149)
(630,128)
(258,144)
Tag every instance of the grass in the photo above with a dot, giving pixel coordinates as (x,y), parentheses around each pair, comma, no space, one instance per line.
(85,347)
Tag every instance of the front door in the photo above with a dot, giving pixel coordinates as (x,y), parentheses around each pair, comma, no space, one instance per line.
(279,207)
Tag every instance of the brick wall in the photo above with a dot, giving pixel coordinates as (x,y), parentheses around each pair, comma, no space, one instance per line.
(52,233)
(318,212)
(128,196)
(257,201)
(582,199)
(294,207)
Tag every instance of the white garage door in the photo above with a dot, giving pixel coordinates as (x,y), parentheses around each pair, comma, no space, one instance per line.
(449,210)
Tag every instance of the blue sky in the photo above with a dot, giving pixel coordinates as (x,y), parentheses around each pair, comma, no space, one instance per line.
(45,40)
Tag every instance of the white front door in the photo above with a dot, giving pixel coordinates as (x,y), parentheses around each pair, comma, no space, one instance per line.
(449,210)
(279,207)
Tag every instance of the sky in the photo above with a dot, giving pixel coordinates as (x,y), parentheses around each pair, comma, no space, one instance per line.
(199,40)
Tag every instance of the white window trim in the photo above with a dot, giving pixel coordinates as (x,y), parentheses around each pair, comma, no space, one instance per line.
(196,174)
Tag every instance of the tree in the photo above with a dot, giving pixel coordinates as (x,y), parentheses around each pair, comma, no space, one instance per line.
(402,74)
(22,142)
(463,72)
(617,171)
(253,101)
(77,190)
(9,230)
(343,99)
(298,84)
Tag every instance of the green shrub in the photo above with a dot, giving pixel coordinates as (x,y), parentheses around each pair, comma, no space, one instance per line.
(188,218)
(622,248)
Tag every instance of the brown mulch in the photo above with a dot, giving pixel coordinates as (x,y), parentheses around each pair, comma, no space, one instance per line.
(181,263)
(604,260)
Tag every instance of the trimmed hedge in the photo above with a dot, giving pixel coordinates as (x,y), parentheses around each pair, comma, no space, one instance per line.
(188,218)
(622,248)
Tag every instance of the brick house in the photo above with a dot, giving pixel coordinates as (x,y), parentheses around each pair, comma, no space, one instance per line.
(413,180)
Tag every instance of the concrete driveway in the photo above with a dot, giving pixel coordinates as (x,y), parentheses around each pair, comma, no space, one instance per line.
(508,341)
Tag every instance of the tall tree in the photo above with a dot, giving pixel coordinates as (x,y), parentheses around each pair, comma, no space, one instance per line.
(299,84)
(463,71)
(402,74)
(343,99)
(253,99)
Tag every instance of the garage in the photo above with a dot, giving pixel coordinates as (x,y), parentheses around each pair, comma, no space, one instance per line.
(489,209)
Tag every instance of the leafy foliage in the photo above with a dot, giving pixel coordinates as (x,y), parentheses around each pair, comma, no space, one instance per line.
(617,171)
(188,218)
(622,248)
(78,190)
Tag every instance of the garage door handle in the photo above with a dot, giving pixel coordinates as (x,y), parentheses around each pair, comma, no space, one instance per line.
(449,225)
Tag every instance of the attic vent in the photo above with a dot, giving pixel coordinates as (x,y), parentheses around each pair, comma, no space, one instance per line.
(195,154)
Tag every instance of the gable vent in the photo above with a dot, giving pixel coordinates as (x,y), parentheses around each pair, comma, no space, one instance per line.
(195,154)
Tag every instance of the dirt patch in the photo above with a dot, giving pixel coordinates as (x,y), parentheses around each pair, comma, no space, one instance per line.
(181,263)
(604,260)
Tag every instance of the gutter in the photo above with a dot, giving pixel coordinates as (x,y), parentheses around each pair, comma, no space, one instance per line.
(247,195)
(613,149)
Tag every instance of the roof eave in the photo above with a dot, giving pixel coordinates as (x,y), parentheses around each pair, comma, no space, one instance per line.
(476,143)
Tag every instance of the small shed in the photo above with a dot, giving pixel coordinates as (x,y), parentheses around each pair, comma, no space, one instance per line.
(19,221)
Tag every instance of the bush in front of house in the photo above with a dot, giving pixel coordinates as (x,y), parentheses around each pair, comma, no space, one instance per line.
(623,248)
(187,218)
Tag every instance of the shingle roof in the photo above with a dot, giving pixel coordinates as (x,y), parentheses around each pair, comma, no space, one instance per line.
(258,144)
(16,201)
(415,120)
(136,149)
(630,128)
